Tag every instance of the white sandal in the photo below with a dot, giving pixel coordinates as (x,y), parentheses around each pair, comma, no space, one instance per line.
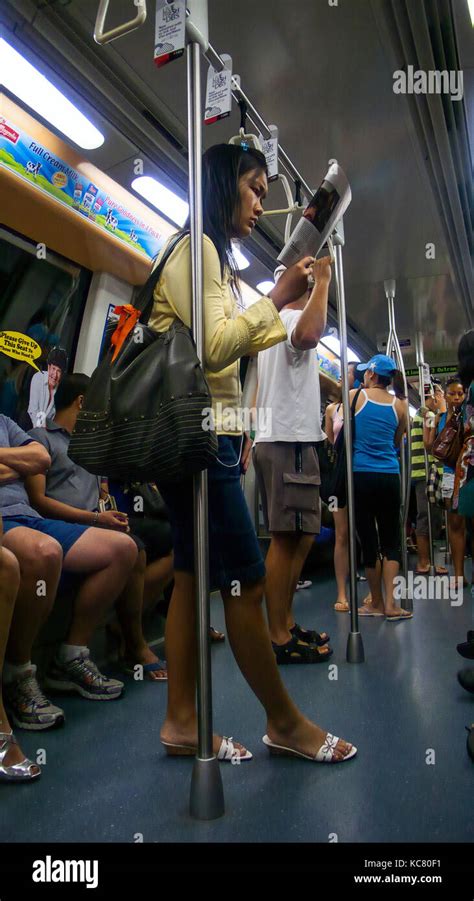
(324,755)
(226,752)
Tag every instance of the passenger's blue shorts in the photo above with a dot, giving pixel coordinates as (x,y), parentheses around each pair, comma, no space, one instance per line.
(66,533)
(234,551)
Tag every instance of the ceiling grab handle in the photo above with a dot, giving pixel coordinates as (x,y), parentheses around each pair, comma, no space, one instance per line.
(292,208)
(101,37)
(393,347)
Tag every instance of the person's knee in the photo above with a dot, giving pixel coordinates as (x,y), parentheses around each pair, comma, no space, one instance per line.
(124,552)
(252,592)
(40,553)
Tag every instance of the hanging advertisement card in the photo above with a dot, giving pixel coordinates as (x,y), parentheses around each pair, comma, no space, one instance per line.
(270,149)
(170,27)
(219,92)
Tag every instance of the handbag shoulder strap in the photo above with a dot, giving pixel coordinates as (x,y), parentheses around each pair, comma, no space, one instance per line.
(353,409)
(145,299)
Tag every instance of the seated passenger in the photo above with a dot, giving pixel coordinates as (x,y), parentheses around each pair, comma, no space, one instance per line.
(68,492)
(14,766)
(42,547)
(287,467)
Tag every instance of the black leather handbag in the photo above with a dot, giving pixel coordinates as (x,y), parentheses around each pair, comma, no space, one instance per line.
(143,412)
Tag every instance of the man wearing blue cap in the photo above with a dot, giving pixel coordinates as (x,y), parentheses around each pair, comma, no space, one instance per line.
(381,418)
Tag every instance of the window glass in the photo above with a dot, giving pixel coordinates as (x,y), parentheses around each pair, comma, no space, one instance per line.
(42,297)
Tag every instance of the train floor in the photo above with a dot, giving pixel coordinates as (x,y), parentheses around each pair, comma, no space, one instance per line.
(106,778)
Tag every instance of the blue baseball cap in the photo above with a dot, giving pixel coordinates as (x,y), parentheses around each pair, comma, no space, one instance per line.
(380,364)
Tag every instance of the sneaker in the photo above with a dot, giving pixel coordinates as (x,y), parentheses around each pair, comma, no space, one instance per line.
(83,676)
(304,583)
(26,705)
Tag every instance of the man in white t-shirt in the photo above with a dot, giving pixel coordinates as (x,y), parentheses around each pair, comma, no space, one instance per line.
(287,466)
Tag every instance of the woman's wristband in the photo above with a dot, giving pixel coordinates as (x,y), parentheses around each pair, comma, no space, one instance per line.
(95,521)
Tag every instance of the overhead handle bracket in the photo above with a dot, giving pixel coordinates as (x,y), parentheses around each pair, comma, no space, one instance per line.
(104,37)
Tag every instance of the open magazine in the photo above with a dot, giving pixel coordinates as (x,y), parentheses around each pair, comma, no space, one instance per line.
(320,217)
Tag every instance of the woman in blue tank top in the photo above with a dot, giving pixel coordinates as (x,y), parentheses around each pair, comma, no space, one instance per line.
(380,423)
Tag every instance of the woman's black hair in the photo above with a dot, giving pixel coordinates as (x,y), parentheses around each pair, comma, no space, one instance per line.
(466,358)
(223,165)
(454,380)
(397,383)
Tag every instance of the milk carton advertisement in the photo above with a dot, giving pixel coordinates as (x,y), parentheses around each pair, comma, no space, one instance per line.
(32,161)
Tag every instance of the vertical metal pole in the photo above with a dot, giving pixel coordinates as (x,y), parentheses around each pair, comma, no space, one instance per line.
(420,359)
(355,647)
(207,796)
(394,349)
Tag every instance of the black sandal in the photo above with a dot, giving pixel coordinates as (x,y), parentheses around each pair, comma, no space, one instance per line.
(295,651)
(309,636)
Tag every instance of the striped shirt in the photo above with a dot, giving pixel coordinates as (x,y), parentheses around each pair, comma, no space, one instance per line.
(417,449)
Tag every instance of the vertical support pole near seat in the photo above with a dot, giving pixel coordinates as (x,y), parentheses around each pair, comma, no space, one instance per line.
(394,350)
(207,795)
(355,646)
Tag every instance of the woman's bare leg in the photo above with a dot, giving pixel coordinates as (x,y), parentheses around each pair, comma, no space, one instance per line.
(390,570)
(374,578)
(341,555)
(457,541)
(157,576)
(250,642)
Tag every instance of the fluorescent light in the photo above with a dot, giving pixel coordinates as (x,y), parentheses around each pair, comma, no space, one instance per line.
(27,83)
(265,287)
(241,261)
(470,4)
(162,198)
(333,343)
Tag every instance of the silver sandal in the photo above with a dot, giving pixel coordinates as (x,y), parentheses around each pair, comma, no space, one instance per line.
(16,772)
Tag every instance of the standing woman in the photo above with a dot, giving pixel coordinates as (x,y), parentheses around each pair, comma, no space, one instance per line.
(380,424)
(234,185)
(456,523)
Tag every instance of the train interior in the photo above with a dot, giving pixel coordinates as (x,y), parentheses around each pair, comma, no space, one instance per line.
(323,72)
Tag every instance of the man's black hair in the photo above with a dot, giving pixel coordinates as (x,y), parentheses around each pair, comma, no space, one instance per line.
(69,388)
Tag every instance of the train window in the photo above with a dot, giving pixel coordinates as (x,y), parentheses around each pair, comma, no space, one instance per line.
(42,298)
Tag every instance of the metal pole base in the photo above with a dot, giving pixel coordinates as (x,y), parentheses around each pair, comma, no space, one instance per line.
(207,793)
(355,648)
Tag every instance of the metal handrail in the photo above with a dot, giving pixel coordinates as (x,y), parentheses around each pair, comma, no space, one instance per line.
(104,38)
(393,346)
